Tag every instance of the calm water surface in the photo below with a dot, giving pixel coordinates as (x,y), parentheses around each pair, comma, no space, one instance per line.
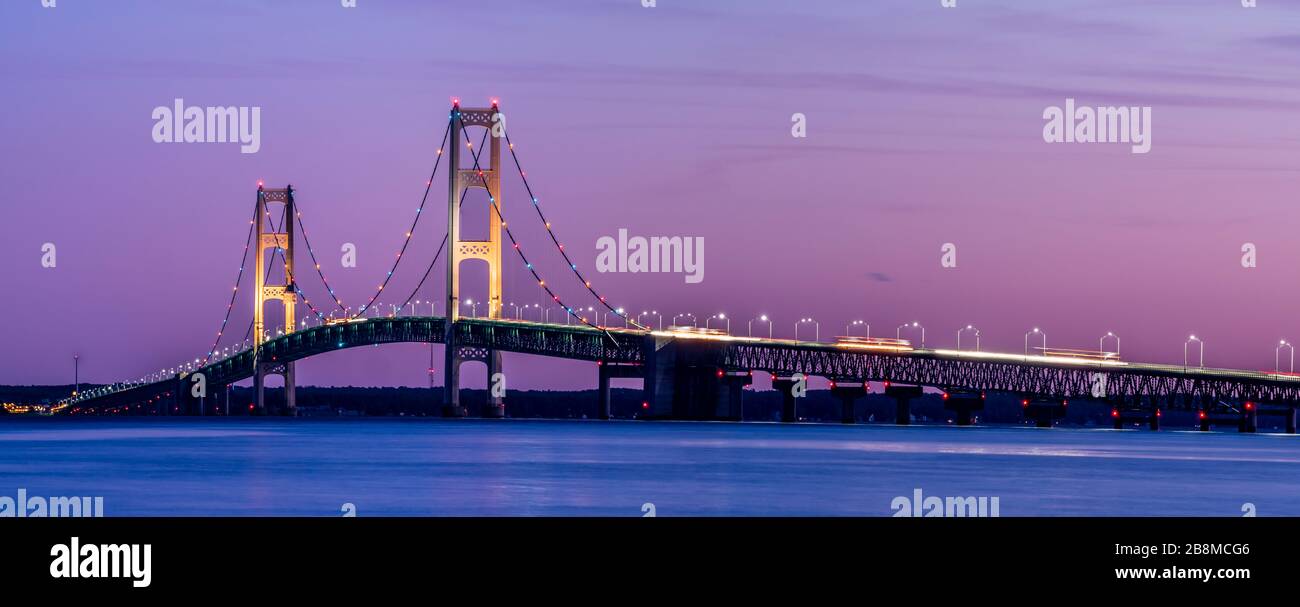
(246,467)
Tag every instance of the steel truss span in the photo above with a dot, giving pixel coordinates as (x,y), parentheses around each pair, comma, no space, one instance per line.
(1135,383)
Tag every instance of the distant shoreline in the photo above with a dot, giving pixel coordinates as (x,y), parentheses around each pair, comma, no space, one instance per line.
(765,405)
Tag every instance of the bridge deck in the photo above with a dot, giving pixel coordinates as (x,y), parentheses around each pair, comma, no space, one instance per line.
(1057,376)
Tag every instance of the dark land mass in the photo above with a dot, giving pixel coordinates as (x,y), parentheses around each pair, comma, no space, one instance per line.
(765,405)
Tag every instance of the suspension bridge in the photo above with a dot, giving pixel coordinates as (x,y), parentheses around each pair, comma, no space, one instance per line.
(688,372)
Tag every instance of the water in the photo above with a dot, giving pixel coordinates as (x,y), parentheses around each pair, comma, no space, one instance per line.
(268,467)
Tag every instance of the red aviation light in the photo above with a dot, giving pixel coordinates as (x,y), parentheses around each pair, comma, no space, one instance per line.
(1114,413)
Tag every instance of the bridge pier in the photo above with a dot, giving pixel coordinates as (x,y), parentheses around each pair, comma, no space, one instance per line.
(1249,418)
(848,393)
(1290,420)
(451,406)
(1155,420)
(684,379)
(605,372)
(285,370)
(1043,411)
(963,403)
(495,407)
(1204,417)
(733,392)
(789,406)
(902,396)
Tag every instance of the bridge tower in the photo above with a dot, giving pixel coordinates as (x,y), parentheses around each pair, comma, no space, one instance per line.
(458,179)
(276,241)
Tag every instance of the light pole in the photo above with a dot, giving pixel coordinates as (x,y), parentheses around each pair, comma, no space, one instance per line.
(1277,367)
(1200,346)
(1036,331)
(516,307)
(969,328)
(848,329)
(654,313)
(694,322)
(721,316)
(817,328)
(1101,343)
(76,374)
(617,312)
(898,333)
(761,318)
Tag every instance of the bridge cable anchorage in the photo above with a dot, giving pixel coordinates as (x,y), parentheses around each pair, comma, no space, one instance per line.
(411,232)
(515,243)
(555,240)
(234,291)
(445,238)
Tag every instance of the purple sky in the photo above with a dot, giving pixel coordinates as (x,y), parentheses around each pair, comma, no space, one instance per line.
(924,127)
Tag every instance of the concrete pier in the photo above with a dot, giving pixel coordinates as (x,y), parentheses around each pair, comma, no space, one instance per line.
(902,396)
(848,392)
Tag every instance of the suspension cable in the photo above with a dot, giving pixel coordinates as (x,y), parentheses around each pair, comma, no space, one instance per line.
(235,291)
(492,199)
(418,213)
(554,239)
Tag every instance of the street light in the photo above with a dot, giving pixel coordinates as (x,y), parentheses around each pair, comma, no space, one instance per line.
(848,329)
(694,322)
(722,316)
(898,333)
(969,328)
(1277,352)
(654,313)
(1200,346)
(473,308)
(1036,331)
(817,328)
(1101,343)
(761,318)
(617,312)
(516,307)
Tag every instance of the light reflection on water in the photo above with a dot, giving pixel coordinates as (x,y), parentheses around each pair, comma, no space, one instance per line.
(267,467)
